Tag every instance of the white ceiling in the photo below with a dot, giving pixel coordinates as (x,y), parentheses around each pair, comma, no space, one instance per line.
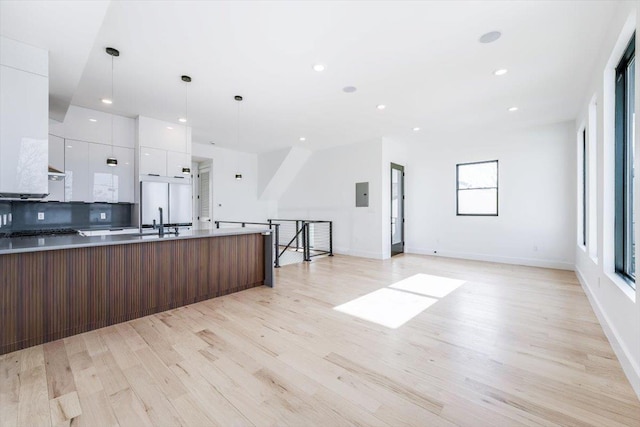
(421,59)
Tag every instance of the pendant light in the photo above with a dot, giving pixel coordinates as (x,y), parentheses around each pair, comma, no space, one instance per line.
(239,99)
(186,79)
(112,161)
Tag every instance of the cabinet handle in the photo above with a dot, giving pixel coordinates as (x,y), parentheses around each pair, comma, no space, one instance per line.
(153,174)
(176,176)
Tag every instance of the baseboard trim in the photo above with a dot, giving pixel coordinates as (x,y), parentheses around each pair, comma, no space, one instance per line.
(360,254)
(531,262)
(631,370)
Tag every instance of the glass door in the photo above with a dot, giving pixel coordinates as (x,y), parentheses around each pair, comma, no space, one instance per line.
(397,209)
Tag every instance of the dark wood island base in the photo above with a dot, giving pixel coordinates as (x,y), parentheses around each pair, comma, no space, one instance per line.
(52,294)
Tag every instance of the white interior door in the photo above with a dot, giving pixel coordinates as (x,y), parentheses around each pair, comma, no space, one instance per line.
(205,193)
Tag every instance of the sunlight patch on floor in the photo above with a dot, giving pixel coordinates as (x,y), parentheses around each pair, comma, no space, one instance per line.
(400,302)
(429,285)
(387,307)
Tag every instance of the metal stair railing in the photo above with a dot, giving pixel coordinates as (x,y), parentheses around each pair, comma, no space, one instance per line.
(313,237)
(311,241)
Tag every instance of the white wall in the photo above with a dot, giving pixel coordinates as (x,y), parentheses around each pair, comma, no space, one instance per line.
(536,224)
(277,169)
(615,303)
(235,200)
(325,190)
(536,202)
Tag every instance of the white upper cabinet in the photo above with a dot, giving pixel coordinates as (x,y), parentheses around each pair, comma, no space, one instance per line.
(163,135)
(153,161)
(164,149)
(56,160)
(124,180)
(90,179)
(95,126)
(175,164)
(24,57)
(87,136)
(111,184)
(76,168)
(24,102)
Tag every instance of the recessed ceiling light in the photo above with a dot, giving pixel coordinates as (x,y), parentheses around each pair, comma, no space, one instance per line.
(381,106)
(512,109)
(349,89)
(93,120)
(146,154)
(69,146)
(416,129)
(490,37)
(500,72)
(182,120)
(319,67)
(302,138)
(106,101)
(169,127)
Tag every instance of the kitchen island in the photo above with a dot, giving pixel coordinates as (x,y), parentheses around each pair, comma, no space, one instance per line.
(53,287)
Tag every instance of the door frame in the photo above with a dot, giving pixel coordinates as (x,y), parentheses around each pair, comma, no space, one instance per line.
(397,248)
(205,166)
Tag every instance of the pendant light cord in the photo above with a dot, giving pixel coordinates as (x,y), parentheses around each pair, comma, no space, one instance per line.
(112,103)
(186,112)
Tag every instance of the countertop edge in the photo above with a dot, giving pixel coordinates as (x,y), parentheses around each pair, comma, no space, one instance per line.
(122,239)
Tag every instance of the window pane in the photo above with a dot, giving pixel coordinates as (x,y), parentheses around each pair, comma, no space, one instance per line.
(624,237)
(479,175)
(630,120)
(478,202)
(584,187)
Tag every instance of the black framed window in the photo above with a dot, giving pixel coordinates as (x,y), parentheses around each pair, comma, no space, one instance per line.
(477,188)
(624,170)
(584,187)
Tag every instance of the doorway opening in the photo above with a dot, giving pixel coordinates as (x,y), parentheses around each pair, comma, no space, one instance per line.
(397,209)
(203,194)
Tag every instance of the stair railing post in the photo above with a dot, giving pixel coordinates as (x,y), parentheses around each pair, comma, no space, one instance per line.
(330,238)
(307,252)
(277,245)
(304,242)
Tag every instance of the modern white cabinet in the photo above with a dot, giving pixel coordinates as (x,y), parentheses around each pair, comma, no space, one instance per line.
(111,184)
(89,178)
(164,149)
(124,193)
(176,162)
(56,160)
(153,161)
(76,168)
(87,136)
(24,102)
(162,135)
(95,126)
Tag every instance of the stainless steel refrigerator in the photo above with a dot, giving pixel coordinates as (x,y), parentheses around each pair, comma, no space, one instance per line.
(173,198)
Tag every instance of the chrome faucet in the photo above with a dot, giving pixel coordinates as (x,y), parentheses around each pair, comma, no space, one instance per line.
(161,226)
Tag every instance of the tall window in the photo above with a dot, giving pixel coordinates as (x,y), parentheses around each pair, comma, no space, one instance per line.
(624,173)
(477,188)
(584,187)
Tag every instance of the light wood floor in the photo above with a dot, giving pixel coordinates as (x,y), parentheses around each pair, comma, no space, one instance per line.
(512,346)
